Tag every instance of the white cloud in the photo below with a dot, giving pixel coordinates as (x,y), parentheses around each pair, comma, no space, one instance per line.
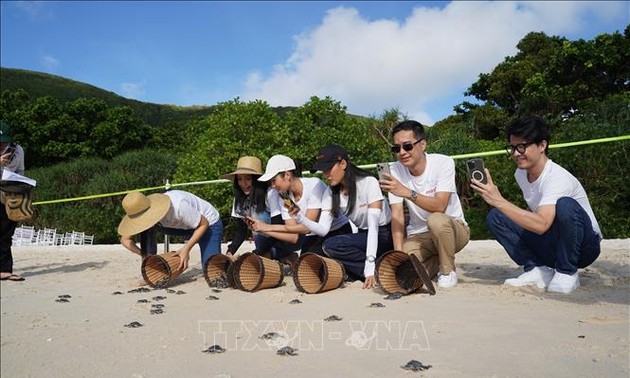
(50,63)
(132,90)
(375,65)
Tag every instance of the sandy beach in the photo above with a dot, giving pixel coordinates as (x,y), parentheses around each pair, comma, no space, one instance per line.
(480,328)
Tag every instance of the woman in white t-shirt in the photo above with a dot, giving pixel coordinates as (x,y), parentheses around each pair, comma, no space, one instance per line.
(302,202)
(251,198)
(357,194)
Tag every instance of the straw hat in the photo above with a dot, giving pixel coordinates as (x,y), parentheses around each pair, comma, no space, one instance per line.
(247,165)
(143,212)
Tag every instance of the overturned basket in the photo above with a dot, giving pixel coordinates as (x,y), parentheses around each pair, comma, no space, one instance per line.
(159,271)
(218,271)
(400,272)
(252,272)
(316,274)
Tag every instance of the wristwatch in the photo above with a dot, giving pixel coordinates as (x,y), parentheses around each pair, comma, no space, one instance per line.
(413,195)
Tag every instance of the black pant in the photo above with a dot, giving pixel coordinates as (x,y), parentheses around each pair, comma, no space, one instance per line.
(7,228)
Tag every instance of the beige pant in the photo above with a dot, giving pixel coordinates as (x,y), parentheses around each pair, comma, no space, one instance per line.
(437,247)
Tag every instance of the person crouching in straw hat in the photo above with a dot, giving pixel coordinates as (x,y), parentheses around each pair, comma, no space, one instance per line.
(176,213)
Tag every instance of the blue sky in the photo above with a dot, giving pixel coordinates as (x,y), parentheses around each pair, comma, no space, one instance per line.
(371,56)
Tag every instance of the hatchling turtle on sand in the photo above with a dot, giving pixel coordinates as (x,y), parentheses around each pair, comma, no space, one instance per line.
(139,290)
(295,301)
(158,298)
(133,325)
(394,296)
(62,300)
(270,336)
(65,296)
(286,351)
(157,305)
(117,293)
(143,301)
(414,365)
(333,318)
(214,349)
(156,311)
(212,298)
(376,304)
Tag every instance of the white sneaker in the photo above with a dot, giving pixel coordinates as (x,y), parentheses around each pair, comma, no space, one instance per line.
(447,281)
(564,283)
(539,276)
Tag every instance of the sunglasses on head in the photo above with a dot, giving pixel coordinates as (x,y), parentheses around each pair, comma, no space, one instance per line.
(408,146)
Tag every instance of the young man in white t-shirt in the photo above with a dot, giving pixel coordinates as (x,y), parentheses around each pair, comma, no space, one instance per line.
(558,233)
(426,183)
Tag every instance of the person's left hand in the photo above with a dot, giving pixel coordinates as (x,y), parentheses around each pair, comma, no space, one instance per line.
(369,282)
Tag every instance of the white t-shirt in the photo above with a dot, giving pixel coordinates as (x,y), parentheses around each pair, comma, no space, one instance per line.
(554,182)
(312,195)
(438,176)
(368,191)
(186,211)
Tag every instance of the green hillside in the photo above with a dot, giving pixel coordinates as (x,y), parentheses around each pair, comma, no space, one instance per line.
(38,84)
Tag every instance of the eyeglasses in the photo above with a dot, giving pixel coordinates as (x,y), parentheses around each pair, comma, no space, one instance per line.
(405,146)
(520,147)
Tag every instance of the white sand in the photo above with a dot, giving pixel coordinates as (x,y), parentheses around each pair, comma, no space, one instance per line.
(480,328)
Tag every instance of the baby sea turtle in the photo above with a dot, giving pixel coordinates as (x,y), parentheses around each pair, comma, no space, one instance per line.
(270,336)
(221,282)
(139,290)
(158,298)
(414,365)
(62,300)
(180,292)
(212,298)
(161,283)
(394,296)
(133,325)
(295,301)
(157,305)
(214,349)
(376,304)
(156,311)
(117,293)
(217,290)
(286,351)
(333,318)
(65,296)
(170,291)
(143,301)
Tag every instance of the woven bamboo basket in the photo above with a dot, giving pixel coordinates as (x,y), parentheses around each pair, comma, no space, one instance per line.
(159,271)
(396,273)
(317,274)
(219,267)
(252,272)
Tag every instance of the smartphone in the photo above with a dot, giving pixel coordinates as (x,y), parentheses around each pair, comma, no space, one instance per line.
(288,201)
(382,168)
(476,170)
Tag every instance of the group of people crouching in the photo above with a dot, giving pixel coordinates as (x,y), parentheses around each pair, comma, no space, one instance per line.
(351,221)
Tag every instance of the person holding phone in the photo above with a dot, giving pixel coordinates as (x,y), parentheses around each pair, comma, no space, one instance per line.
(425,182)
(558,233)
(357,195)
(11,159)
(304,204)
(252,198)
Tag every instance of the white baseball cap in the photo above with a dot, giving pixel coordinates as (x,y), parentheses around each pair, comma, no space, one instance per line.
(275,165)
